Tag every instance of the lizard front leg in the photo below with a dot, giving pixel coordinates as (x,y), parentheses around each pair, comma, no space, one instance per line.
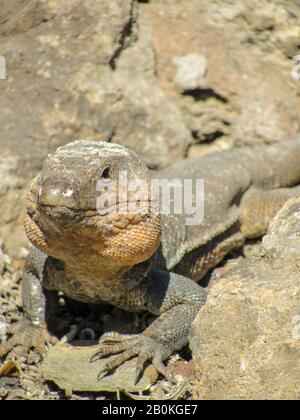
(38,304)
(175,300)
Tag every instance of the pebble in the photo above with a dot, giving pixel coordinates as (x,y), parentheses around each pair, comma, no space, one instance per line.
(191,71)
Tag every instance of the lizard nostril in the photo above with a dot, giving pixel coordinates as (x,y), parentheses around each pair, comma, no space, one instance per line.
(56,194)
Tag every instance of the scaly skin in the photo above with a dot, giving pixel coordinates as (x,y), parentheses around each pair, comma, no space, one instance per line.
(133,258)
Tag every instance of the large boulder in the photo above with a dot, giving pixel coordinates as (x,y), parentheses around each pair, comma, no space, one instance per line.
(246,342)
(248,95)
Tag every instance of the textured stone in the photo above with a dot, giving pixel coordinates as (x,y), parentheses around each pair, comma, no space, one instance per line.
(191,70)
(284,234)
(250,96)
(70,368)
(246,342)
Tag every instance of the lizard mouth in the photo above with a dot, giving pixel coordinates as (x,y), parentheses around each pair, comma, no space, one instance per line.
(114,218)
(119,208)
(122,236)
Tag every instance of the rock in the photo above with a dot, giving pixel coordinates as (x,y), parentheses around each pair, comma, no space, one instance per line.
(246,342)
(3,328)
(283,234)
(191,70)
(269,27)
(296,69)
(288,41)
(18,16)
(145,119)
(69,367)
(250,96)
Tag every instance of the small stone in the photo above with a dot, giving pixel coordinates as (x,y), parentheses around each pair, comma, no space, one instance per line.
(70,368)
(191,71)
(283,233)
(288,40)
(183,370)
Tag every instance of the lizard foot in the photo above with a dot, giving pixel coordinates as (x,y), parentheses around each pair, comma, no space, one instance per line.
(25,336)
(127,346)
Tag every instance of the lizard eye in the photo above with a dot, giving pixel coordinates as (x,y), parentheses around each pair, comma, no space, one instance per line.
(106,173)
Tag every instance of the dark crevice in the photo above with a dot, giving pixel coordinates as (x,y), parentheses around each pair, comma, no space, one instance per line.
(17,13)
(206,138)
(204,94)
(271,27)
(7,26)
(227,123)
(109,135)
(5,29)
(126,34)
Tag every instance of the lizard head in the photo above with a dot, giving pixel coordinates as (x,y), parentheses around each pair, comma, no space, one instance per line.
(94,198)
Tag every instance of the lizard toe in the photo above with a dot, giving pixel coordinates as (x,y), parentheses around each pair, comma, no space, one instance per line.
(144,347)
(115,362)
(24,336)
(110,345)
(115,337)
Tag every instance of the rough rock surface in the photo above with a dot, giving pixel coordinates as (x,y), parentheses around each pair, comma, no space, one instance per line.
(191,70)
(246,342)
(284,234)
(250,95)
(79,374)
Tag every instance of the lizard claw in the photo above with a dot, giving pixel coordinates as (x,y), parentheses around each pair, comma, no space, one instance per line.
(127,346)
(26,336)
(101,375)
(138,375)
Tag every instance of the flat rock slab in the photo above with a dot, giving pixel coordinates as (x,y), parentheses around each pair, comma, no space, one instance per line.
(69,367)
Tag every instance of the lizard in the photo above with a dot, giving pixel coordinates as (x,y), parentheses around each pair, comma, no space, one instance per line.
(133,256)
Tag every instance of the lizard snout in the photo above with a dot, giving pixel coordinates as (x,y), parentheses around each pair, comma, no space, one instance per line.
(57,194)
